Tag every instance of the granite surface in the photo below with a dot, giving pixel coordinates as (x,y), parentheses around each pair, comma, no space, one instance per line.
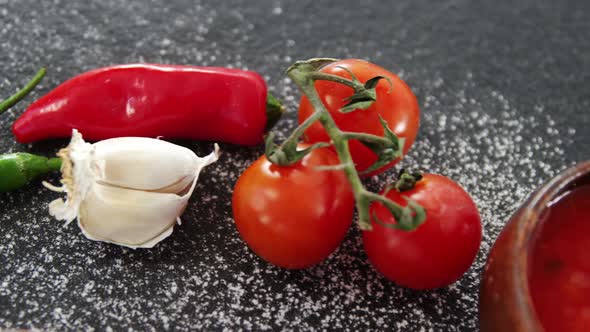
(504,92)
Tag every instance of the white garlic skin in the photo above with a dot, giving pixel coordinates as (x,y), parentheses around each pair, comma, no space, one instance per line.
(128,191)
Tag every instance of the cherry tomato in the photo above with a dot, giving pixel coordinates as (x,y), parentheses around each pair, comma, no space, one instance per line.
(399,108)
(293,216)
(440,250)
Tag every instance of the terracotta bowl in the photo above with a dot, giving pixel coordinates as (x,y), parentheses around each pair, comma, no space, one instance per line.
(505,303)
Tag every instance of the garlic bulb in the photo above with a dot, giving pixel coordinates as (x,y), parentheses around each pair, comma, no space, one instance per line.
(128,191)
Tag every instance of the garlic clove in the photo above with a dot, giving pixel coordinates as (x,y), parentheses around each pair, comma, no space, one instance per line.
(144,164)
(177,187)
(131,218)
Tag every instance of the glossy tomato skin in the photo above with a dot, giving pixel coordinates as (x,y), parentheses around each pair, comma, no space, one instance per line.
(440,250)
(399,108)
(293,216)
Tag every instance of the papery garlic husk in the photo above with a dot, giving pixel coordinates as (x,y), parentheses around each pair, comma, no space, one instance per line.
(128,191)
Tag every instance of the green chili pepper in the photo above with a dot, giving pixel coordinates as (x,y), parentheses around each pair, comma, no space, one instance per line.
(18,169)
(20,94)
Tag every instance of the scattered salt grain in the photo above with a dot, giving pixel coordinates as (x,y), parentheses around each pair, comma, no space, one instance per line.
(203,277)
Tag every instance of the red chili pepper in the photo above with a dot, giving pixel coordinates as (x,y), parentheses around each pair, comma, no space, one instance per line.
(202,103)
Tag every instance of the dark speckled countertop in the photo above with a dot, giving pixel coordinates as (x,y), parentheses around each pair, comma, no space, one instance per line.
(504,93)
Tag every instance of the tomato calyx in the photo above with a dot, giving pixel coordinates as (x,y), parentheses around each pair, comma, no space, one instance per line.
(364,94)
(405,181)
(387,147)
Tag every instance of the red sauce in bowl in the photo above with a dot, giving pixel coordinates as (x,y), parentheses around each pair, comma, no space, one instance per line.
(559,274)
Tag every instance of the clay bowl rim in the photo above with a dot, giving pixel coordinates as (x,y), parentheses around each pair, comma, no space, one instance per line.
(534,210)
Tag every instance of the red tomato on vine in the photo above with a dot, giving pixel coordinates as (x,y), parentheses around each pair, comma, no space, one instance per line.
(440,250)
(396,104)
(293,216)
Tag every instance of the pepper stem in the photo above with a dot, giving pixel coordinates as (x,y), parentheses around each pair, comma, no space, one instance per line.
(304,74)
(54,164)
(20,94)
(274,111)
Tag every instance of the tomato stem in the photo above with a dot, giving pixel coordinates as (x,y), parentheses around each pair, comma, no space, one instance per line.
(318,76)
(408,218)
(388,147)
(304,74)
(299,131)
(348,135)
(287,153)
(341,146)
(20,94)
